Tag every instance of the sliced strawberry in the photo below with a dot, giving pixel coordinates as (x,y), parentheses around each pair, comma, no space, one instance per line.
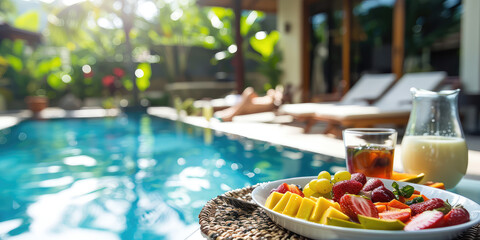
(457,215)
(294,189)
(431,204)
(400,214)
(371,184)
(353,206)
(283,188)
(347,186)
(425,220)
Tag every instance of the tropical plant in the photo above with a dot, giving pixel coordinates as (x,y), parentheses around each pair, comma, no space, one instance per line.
(222,20)
(31,71)
(7,10)
(172,32)
(428,21)
(108,42)
(268,57)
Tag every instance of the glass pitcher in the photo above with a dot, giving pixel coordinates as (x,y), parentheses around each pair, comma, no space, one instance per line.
(434,143)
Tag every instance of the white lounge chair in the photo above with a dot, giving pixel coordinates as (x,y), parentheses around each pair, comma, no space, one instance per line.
(369,87)
(393,107)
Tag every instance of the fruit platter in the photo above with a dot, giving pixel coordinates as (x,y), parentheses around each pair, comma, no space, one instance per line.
(352,206)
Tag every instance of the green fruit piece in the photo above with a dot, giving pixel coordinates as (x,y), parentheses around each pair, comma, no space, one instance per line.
(358,152)
(415,179)
(380,224)
(313,185)
(323,186)
(342,176)
(308,192)
(342,223)
(325,175)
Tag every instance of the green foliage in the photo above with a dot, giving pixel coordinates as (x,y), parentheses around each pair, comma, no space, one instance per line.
(7,10)
(429,21)
(265,46)
(143,82)
(15,62)
(28,21)
(55,81)
(268,58)
(170,34)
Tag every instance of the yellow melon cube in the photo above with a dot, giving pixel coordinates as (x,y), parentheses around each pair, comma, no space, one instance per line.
(320,207)
(273,199)
(292,206)
(337,206)
(332,212)
(282,203)
(305,209)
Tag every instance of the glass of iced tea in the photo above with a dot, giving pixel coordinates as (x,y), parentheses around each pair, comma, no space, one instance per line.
(370,151)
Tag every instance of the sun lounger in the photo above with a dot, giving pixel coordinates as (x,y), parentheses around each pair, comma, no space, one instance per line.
(393,107)
(368,88)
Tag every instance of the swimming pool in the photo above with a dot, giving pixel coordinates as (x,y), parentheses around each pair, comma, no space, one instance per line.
(133,176)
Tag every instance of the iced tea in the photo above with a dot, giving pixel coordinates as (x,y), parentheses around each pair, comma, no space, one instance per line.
(371,160)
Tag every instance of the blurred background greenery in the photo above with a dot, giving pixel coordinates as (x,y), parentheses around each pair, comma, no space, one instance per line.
(98,50)
(102,51)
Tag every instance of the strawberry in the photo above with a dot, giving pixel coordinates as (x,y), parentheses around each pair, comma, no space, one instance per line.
(431,204)
(347,186)
(425,220)
(372,184)
(400,214)
(353,206)
(360,177)
(294,189)
(382,194)
(457,215)
(283,188)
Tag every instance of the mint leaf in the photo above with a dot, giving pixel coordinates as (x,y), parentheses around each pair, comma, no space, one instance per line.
(396,191)
(405,192)
(415,200)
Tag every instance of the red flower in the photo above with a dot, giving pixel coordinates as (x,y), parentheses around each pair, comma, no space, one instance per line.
(88,75)
(118,72)
(108,80)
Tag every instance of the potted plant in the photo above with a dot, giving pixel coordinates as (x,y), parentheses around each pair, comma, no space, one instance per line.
(36,103)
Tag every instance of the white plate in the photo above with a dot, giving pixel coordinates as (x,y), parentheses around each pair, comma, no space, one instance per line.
(319,231)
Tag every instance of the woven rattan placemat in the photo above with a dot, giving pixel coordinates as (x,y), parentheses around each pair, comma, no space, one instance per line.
(219,220)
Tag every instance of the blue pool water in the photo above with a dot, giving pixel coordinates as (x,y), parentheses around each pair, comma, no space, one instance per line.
(128,177)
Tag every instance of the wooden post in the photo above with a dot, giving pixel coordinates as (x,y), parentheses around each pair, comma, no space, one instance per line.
(398,35)
(347,35)
(238,61)
(306,47)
